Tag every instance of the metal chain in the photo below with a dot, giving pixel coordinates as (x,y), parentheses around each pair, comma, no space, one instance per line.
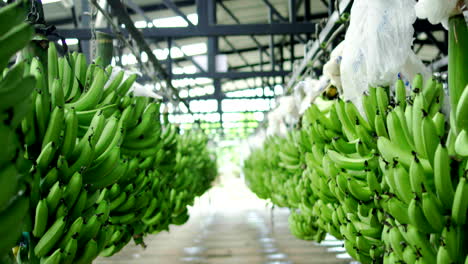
(33,15)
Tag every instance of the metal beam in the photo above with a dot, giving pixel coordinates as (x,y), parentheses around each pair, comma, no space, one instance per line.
(209,31)
(145,8)
(226,75)
(212,96)
(230,52)
(261,63)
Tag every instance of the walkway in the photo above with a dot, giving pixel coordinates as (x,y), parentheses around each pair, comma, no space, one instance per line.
(230,226)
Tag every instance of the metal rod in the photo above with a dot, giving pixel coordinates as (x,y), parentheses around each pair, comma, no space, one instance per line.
(169,58)
(331,7)
(440,45)
(292,11)
(272,40)
(324,2)
(307,15)
(176,10)
(138,10)
(275,12)
(281,66)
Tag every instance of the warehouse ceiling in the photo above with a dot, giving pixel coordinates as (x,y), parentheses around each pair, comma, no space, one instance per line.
(239,53)
(246,11)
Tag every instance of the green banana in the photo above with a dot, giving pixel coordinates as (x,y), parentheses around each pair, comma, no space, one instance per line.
(40,219)
(90,251)
(400,93)
(432,209)
(50,238)
(53,259)
(418,218)
(54,196)
(79,205)
(91,98)
(350,163)
(460,202)
(70,133)
(73,188)
(461,143)
(55,127)
(73,232)
(69,251)
(46,156)
(49,180)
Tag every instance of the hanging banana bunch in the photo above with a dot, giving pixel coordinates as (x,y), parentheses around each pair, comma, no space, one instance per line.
(16,85)
(391,183)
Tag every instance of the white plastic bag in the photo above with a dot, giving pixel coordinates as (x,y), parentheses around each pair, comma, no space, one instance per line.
(437,11)
(142,90)
(288,110)
(331,69)
(311,89)
(377,46)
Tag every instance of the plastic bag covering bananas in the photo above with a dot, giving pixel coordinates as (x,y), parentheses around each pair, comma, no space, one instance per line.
(15,87)
(391,182)
(104,168)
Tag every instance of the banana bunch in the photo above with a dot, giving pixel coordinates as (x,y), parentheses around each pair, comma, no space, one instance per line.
(341,160)
(15,87)
(272,176)
(163,188)
(304,227)
(427,188)
(191,176)
(104,169)
(457,84)
(386,181)
(390,180)
(69,136)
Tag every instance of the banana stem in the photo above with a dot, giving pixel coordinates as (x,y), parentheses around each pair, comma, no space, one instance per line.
(458,61)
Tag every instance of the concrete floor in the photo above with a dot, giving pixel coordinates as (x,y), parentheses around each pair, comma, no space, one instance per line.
(230,225)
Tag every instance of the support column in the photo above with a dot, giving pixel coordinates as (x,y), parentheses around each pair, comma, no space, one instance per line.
(206,17)
(85,22)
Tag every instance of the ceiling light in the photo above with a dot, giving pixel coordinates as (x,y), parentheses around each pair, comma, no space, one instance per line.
(44,2)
